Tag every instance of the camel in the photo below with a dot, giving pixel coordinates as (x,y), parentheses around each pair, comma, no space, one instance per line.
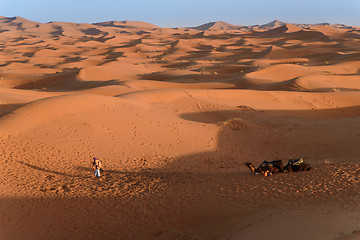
(297,165)
(267,167)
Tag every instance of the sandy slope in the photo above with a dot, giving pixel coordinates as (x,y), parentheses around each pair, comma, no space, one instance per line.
(174,114)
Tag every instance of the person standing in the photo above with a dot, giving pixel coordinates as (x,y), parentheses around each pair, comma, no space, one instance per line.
(96,167)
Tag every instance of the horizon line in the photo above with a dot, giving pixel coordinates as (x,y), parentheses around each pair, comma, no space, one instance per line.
(94,22)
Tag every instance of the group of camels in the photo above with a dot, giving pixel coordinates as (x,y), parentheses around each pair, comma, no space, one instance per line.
(268,168)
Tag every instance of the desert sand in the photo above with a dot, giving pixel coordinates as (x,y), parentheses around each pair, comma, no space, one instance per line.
(173,114)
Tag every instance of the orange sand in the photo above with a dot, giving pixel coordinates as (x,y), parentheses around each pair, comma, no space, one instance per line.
(174,114)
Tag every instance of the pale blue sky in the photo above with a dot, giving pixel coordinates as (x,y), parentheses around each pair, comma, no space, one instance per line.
(172,13)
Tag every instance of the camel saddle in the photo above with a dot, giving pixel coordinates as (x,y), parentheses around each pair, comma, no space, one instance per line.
(298,161)
(267,164)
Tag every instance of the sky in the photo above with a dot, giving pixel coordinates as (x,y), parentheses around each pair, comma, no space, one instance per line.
(186,13)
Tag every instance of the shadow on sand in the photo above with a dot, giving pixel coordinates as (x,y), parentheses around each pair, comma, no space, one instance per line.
(168,203)
(249,135)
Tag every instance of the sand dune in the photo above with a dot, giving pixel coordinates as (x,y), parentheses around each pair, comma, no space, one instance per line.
(281,72)
(219,26)
(272,24)
(329,83)
(127,24)
(174,113)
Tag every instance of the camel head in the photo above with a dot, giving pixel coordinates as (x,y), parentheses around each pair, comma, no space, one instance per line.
(251,166)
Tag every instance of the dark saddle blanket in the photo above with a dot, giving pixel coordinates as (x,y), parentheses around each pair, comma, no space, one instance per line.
(268,164)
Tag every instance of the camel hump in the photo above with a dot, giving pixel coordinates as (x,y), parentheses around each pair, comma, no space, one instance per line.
(267,164)
(298,161)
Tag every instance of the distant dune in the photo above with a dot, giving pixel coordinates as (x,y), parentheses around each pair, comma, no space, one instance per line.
(126,24)
(219,26)
(174,114)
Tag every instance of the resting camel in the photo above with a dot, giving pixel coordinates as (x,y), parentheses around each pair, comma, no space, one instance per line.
(297,165)
(276,166)
(271,167)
